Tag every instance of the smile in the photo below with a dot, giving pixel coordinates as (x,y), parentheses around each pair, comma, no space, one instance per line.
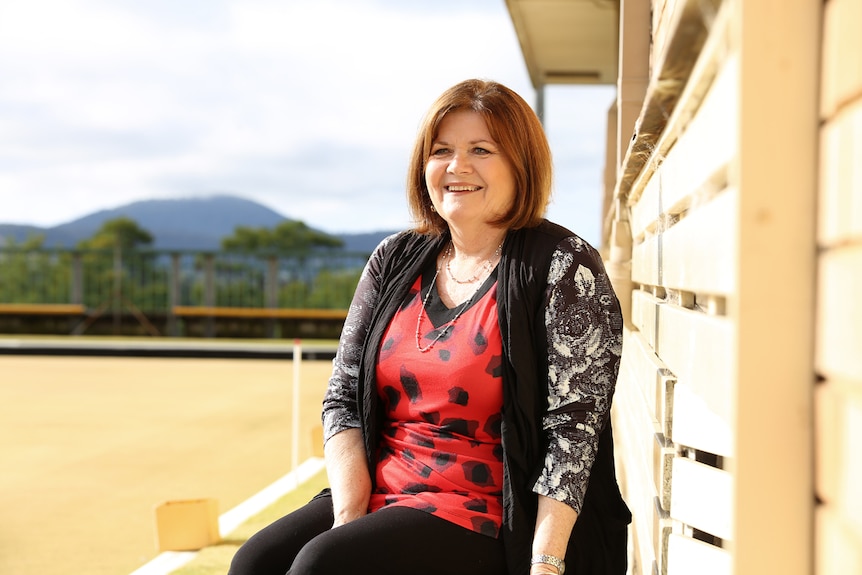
(463,188)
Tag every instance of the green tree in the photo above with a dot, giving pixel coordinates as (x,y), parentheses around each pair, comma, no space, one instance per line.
(31,273)
(116,270)
(290,236)
(123,233)
(31,242)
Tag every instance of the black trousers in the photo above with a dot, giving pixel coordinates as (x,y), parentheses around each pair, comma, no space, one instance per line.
(391,541)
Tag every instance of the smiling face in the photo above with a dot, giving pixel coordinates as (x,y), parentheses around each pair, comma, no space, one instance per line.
(470,181)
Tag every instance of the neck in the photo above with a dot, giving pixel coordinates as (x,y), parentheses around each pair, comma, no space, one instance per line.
(480,244)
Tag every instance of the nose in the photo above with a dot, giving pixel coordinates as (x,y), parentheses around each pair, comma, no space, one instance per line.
(460,163)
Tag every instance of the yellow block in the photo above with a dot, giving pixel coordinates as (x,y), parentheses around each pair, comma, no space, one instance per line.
(187,525)
(317,441)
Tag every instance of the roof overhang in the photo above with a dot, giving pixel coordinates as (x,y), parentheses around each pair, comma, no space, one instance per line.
(568,41)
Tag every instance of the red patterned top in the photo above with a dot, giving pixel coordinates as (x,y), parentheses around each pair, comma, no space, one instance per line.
(441,451)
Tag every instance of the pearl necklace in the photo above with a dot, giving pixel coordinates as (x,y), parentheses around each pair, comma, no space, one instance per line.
(486,265)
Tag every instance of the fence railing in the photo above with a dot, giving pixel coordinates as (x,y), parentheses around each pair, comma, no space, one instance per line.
(153,282)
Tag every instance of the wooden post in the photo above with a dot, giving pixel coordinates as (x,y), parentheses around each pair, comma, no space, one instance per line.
(117,298)
(776,174)
(77,287)
(271,292)
(174,295)
(209,292)
(633,68)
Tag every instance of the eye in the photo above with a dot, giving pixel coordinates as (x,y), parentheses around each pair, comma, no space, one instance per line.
(437,152)
(481,151)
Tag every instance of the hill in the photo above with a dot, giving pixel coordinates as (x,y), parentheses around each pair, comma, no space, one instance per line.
(181,224)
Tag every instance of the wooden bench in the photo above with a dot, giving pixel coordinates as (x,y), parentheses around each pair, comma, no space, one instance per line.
(322,323)
(42,309)
(41,317)
(258,312)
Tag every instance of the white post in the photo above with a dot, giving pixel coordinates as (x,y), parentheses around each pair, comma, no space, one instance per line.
(294,436)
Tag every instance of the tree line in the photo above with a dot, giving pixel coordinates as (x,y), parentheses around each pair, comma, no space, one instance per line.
(289,237)
(116,261)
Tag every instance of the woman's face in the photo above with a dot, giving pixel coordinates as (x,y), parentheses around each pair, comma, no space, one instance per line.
(468,178)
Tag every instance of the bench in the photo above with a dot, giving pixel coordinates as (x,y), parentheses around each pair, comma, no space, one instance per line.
(317,323)
(40,318)
(42,309)
(258,312)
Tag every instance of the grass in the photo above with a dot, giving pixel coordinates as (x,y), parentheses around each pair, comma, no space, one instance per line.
(215,560)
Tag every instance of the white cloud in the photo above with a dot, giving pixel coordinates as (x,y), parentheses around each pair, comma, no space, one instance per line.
(309,106)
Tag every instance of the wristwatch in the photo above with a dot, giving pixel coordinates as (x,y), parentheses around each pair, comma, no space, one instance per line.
(550,560)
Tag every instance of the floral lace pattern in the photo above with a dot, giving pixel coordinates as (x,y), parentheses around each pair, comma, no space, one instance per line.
(340,409)
(584,347)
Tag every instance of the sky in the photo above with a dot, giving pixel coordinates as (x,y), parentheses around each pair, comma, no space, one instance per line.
(309,107)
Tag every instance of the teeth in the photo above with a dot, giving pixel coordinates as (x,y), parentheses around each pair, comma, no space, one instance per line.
(462,188)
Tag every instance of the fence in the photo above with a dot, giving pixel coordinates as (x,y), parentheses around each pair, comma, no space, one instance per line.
(151,287)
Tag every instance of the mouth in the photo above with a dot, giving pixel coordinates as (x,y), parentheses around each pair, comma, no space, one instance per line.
(463,188)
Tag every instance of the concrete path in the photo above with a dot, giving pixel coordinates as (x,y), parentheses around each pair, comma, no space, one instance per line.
(89,446)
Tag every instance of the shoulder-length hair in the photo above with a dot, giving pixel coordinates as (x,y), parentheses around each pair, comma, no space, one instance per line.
(517,131)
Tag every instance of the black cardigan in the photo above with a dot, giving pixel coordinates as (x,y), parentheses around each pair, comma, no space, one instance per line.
(598,542)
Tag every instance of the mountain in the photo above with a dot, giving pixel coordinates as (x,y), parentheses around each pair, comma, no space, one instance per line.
(18,232)
(182,224)
(363,243)
(190,223)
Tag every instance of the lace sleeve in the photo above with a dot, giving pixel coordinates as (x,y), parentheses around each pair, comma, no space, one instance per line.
(584,346)
(340,410)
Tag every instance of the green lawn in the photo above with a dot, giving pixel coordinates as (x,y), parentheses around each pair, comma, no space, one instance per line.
(215,560)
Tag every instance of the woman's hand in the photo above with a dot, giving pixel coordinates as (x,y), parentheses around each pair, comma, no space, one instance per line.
(348,475)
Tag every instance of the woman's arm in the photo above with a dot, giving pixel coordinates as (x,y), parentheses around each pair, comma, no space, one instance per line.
(554,524)
(344,450)
(584,346)
(348,475)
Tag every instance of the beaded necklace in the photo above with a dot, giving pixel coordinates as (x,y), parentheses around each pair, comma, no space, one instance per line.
(487,266)
(445,329)
(442,331)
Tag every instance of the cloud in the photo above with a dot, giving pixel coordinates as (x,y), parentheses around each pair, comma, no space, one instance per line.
(309,106)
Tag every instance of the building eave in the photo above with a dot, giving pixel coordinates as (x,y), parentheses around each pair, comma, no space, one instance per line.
(568,41)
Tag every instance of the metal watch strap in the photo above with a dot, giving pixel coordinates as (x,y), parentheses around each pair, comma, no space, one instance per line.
(549,560)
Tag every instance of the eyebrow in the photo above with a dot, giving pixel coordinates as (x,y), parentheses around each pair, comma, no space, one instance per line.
(472,142)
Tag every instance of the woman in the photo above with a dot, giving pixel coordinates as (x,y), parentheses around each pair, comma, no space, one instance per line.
(466,421)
